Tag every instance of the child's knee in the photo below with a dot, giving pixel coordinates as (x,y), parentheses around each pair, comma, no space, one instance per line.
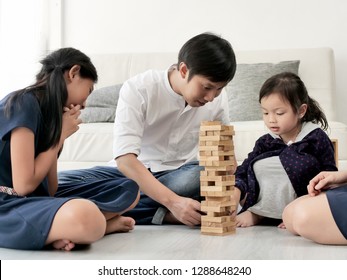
(88,220)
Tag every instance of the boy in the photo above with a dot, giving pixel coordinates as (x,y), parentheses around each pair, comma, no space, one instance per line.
(157,125)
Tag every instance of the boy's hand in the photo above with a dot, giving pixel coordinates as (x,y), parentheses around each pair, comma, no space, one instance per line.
(187,211)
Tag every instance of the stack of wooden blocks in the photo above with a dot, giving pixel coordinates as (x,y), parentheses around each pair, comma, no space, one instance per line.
(217,181)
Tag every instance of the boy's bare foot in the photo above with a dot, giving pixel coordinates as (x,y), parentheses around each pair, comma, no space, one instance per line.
(282,226)
(247,219)
(120,224)
(63,244)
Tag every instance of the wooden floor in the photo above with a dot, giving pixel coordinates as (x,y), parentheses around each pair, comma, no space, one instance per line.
(178,242)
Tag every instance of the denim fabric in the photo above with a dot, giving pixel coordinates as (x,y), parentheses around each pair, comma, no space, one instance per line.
(184,181)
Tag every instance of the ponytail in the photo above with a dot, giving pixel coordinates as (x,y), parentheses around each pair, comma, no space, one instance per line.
(314,113)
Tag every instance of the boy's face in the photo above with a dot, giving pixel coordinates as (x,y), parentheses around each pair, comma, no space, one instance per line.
(200,90)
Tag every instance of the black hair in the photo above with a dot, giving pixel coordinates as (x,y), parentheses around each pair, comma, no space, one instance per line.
(51,91)
(292,89)
(209,55)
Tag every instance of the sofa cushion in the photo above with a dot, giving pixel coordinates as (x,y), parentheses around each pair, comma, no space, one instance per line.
(243,90)
(101,105)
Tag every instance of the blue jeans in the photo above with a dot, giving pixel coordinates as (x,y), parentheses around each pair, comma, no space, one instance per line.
(184,181)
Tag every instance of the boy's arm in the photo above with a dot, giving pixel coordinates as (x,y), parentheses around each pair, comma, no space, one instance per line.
(184,209)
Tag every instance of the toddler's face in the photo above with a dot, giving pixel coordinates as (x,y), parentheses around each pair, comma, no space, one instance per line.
(279,117)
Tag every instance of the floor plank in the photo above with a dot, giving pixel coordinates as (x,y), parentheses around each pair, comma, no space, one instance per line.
(177,242)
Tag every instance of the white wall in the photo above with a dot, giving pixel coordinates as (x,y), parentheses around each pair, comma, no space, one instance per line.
(106,26)
(164,25)
(21,42)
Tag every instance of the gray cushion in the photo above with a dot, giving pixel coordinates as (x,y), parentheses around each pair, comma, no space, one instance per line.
(243,90)
(101,105)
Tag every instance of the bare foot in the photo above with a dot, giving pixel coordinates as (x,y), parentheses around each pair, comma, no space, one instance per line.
(120,224)
(282,226)
(63,244)
(247,219)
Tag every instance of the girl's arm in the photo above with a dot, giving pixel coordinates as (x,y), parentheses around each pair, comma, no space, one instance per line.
(27,171)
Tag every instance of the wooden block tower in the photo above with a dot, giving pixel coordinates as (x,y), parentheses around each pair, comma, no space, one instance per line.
(217,182)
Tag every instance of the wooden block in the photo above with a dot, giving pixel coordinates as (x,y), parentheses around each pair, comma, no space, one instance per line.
(205,153)
(219,168)
(222,219)
(216,189)
(218,225)
(225,148)
(218,231)
(213,148)
(224,132)
(202,144)
(207,123)
(222,153)
(229,178)
(219,163)
(213,203)
(222,210)
(217,183)
(217,143)
(215,138)
(215,127)
(217,234)
(216,193)
(221,198)
(228,147)
(214,158)
(219,214)
(214,173)
(220,203)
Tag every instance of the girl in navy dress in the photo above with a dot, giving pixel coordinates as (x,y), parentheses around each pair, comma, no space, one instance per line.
(284,160)
(34,122)
(321,215)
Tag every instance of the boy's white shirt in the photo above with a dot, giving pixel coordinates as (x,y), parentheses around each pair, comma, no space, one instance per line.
(153,122)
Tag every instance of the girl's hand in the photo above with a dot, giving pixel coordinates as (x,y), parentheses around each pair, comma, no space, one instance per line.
(326,180)
(71,121)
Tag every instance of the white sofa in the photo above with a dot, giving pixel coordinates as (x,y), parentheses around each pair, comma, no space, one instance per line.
(92,144)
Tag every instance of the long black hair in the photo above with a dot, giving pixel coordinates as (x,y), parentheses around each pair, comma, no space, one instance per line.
(51,91)
(292,89)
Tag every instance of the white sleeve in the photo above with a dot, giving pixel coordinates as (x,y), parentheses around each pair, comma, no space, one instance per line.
(129,121)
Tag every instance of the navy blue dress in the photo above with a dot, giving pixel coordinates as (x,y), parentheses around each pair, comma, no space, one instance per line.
(337,199)
(25,222)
